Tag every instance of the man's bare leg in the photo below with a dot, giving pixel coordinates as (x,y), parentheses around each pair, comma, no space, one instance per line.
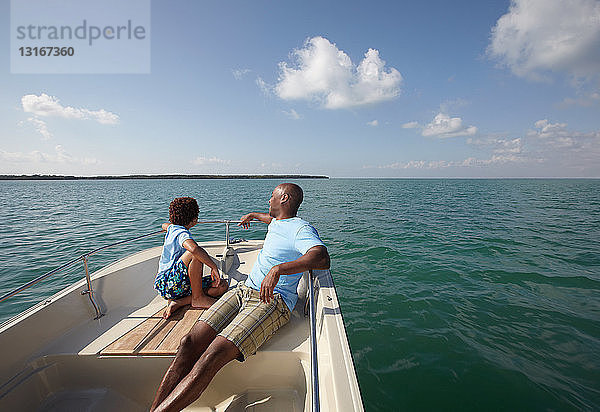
(195,267)
(191,348)
(218,354)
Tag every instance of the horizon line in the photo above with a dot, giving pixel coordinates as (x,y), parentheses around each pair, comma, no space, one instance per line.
(158,176)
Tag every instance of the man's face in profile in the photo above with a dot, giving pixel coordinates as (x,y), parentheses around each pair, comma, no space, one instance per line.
(275,202)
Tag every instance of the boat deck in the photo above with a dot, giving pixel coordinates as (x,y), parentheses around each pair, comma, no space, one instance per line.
(155,335)
(62,358)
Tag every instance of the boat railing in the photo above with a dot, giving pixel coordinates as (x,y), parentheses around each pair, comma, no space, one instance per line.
(85,259)
(314,367)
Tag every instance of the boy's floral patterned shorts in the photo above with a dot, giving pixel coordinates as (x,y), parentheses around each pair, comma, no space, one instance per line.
(175,283)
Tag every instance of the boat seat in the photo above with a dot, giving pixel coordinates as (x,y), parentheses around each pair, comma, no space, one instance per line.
(158,336)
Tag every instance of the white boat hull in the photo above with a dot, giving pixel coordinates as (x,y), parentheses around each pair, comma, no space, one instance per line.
(51,354)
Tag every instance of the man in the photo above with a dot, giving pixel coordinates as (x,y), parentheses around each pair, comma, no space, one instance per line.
(247,315)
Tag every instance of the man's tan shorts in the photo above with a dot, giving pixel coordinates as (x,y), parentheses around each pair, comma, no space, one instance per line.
(241,318)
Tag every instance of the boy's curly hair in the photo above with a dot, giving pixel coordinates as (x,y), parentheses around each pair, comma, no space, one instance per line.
(183,210)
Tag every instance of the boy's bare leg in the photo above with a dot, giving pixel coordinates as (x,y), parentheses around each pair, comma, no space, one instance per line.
(192,346)
(213,291)
(190,387)
(199,299)
(175,304)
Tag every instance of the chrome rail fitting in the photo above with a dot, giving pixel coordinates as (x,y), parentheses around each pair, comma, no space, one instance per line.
(89,291)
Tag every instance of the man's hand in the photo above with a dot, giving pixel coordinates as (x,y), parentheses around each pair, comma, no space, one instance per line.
(316,257)
(214,274)
(268,284)
(245,221)
(263,217)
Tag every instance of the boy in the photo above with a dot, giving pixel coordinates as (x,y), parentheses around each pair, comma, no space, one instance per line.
(179,277)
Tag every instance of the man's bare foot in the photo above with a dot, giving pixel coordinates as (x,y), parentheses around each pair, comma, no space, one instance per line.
(203,302)
(173,305)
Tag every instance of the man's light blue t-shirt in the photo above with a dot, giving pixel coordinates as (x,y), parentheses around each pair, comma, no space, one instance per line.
(173,248)
(286,240)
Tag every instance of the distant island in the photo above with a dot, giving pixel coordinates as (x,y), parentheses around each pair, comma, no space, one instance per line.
(124,177)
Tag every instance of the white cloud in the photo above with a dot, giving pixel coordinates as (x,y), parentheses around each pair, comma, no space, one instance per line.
(203,161)
(325,74)
(445,126)
(538,36)
(101,116)
(551,136)
(273,165)
(36,156)
(292,114)
(263,86)
(373,123)
(550,149)
(443,164)
(584,100)
(498,145)
(551,143)
(453,105)
(47,106)
(509,146)
(565,149)
(410,125)
(239,74)
(41,127)
(547,129)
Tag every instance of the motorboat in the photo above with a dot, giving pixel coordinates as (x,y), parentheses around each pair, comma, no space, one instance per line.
(101,344)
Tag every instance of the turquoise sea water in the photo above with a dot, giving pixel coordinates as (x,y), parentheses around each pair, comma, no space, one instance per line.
(456,294)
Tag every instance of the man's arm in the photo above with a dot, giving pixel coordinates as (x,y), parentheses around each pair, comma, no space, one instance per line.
(165,226)
(263,217)
(316,257)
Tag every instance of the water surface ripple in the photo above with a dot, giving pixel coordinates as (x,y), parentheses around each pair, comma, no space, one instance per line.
(456,294)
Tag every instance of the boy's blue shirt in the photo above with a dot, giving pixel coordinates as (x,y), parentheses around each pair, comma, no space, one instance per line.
(173,247)
(286,240)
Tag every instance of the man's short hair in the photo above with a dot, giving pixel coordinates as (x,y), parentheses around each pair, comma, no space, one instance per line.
(295,194)
(183,210)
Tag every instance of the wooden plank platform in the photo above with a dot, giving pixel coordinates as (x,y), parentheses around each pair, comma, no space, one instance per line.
(155,335)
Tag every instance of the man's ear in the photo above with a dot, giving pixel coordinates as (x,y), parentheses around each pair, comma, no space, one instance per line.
(285,197)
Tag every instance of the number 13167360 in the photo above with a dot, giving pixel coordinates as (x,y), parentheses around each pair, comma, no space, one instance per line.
(46,51)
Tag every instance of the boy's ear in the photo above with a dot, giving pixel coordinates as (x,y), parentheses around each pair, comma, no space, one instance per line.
(285,197)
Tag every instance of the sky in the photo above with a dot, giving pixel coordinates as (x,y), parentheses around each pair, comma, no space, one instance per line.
(343,89)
